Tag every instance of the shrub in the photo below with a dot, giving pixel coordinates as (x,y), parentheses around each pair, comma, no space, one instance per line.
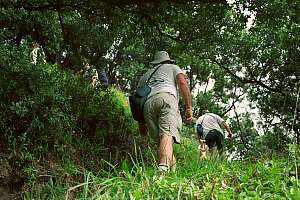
(47,111)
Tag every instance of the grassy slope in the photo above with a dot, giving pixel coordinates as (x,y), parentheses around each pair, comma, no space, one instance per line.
(194,179)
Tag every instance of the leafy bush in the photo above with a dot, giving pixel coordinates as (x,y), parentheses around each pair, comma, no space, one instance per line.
(46,111)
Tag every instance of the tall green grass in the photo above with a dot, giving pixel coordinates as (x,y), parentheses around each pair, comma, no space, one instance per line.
(194,179)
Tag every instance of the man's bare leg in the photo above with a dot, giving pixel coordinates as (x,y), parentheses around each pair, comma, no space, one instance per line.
(202,149)
(165,153)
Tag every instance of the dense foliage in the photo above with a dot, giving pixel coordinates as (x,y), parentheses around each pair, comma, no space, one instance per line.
(47,111)
(257,62)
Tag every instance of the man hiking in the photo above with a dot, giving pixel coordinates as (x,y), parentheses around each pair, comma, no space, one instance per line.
(209,128)
(161,111)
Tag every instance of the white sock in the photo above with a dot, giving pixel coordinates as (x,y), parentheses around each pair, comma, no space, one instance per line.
(162,167)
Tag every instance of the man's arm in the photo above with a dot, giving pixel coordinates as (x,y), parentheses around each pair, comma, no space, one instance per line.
(186,94)
(227,129)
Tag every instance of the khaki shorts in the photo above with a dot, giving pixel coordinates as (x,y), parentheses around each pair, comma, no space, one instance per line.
(162,116)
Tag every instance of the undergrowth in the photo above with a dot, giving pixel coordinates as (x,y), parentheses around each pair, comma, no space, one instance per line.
(193,179)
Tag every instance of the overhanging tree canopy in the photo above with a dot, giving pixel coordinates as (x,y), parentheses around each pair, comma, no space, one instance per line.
(208,36)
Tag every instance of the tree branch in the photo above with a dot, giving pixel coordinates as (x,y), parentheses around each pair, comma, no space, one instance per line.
(239,127)
(233,102)
(253,81)
(27,6)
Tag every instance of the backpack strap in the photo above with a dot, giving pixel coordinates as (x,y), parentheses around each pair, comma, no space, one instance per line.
(153,73)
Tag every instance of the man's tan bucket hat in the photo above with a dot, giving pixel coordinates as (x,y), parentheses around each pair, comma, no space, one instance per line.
(161,56)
